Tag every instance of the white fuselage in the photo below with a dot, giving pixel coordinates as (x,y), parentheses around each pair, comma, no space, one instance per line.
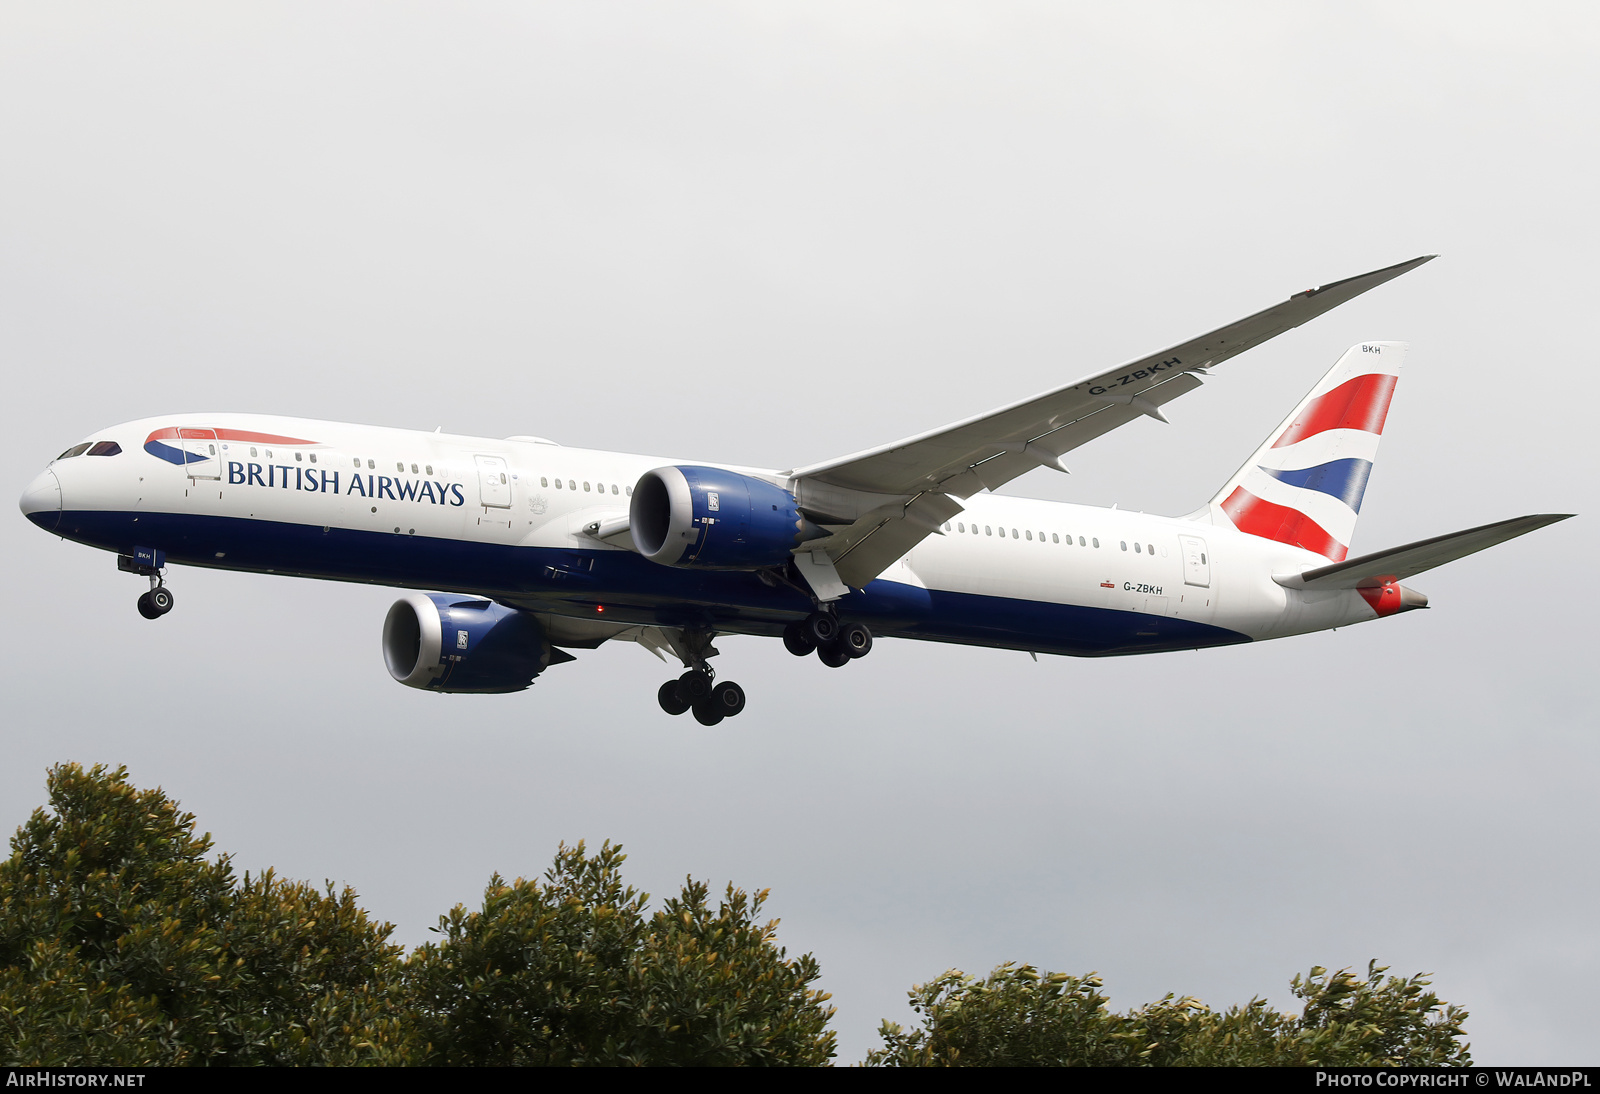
(506,519)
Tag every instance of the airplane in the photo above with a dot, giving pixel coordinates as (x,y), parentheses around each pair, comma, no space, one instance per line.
(520,550)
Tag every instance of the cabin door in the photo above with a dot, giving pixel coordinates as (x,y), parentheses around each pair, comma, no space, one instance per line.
(1196,563)
(201,457)
(494,482)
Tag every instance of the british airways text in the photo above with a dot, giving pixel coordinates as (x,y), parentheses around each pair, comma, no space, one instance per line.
(291,477)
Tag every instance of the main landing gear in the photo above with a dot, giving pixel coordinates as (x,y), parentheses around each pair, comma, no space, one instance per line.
(697,690)
(836,644)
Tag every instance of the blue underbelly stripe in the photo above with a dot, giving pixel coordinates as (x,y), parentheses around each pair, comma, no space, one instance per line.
(633,589)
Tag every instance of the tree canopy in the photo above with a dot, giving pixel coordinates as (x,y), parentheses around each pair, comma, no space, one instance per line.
(123,941)
(1018,1016)
(574,972)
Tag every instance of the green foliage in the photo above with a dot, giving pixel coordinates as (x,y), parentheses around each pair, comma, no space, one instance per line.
(1020,1017)
(573,972)
(121,943)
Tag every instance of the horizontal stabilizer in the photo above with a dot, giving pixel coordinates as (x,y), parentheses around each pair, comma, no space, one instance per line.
(1376,570)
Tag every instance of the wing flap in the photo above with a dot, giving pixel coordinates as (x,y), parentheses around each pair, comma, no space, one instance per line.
(1376,570)
(863,550)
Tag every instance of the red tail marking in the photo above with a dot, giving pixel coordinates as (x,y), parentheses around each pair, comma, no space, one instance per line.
(1361,402)
(1280,523)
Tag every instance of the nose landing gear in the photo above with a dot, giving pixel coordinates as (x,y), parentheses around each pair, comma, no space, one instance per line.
(146,563)
(157,602)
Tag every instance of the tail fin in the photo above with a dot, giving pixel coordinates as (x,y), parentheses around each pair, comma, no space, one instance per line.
(1303,486)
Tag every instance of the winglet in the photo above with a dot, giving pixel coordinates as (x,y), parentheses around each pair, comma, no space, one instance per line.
(1367,280)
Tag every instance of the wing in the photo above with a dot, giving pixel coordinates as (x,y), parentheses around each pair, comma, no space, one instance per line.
(992,449)
(1399,563)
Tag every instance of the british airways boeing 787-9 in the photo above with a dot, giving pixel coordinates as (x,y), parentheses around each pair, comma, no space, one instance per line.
(521,549)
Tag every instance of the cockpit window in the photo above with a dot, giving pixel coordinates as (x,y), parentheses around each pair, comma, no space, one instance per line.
(75,450)
(106,448)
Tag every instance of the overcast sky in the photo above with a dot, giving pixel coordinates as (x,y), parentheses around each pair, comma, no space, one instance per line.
(774,233)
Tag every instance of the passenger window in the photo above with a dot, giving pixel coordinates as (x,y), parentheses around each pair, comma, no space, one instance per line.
(544,480)
(269,453)
(1014,534)
(959,527)
(1096,540)
(586,487)
(313,457)
(571,485)
(1054,538)
(399,466)
(558,484)
(613,488)
(297,457)
(1137,549)
(358,461)
(370,465)
(111,448)
(413,469)
(429,467)
(629,491)
(254,456)
(1149,548)
(987,530)
(1124,545)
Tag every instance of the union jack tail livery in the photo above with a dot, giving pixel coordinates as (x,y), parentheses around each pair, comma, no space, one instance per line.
(1304,485)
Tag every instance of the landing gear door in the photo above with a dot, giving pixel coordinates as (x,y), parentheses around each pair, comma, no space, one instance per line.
(494,482)
(1196,563)
(201,460)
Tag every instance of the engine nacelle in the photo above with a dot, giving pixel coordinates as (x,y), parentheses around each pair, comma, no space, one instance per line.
(445,643)
(713,519)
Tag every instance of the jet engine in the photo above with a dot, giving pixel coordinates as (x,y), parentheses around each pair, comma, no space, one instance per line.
(446,643)
(711,519)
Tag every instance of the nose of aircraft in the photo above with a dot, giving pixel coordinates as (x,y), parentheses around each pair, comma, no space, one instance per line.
(41,501)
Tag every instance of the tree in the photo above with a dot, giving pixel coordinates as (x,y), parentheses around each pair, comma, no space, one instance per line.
(121,943)
(1018,1016)
(572,971)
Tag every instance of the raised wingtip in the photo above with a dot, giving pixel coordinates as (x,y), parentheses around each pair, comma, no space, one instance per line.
(1371,279)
